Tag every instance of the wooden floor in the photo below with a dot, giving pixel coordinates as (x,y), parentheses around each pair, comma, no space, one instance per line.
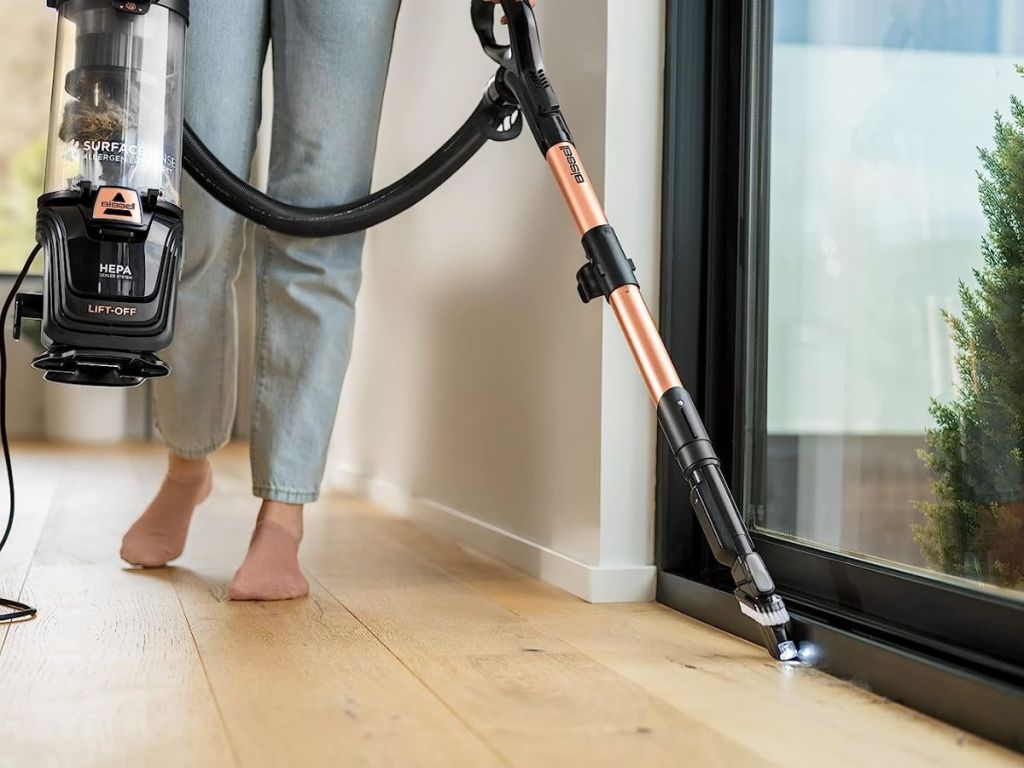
(409,652)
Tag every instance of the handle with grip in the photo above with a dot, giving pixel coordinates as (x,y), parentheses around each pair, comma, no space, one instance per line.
(482,13)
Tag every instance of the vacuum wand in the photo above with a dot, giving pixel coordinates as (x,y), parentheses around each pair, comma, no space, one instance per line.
(608,273)
(721,521)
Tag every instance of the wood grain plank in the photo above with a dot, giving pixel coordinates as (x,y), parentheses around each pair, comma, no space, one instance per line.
(101,490)
(717,679)
(296,683)
(107,675)
(303,683)
(536,699)
(37,473)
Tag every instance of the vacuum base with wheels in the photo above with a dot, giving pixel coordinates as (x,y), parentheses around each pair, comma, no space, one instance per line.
(110,286)
(99,368)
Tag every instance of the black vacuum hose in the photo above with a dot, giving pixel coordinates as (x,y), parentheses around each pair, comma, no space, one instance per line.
(490,120)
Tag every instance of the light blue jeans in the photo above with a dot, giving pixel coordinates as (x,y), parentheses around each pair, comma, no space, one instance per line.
(330,64)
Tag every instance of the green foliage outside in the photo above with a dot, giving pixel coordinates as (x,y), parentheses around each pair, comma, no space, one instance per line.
(23,183)
(975,526)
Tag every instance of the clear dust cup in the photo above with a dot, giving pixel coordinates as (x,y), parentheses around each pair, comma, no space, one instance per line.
(118,88)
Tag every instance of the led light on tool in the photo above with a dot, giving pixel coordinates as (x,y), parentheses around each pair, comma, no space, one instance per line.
(788,651)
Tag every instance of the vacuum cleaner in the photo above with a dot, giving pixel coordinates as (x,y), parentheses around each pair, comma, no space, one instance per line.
(110,229)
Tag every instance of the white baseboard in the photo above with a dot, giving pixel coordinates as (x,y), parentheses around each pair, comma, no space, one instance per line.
(595,584)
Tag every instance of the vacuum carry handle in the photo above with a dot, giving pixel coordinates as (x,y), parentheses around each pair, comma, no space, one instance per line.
(483,22)
(523,54)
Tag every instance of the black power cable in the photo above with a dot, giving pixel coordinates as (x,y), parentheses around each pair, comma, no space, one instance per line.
(19,611)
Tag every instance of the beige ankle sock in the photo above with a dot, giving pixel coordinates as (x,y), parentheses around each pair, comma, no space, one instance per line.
(271,569)
(158,536)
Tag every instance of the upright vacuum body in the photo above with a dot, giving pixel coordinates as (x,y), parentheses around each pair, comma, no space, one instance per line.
(109,220)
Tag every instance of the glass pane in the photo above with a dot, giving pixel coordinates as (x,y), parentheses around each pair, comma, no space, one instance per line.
(878,112)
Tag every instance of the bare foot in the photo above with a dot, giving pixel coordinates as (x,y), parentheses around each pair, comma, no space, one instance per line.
(158,536)
(271,569)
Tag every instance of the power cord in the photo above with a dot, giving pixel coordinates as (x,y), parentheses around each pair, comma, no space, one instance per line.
(19,611)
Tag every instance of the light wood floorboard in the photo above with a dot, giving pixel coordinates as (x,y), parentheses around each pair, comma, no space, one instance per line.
(107,675)
(410,651)
(36,485)
(708,674)
(536,698)
(296,683)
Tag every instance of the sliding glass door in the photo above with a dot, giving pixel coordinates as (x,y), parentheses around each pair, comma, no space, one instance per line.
(877,113)
(843,289)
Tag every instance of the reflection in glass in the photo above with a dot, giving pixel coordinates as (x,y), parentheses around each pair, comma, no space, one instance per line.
(878,111)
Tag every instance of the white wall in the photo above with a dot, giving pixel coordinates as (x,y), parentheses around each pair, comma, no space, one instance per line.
(483,398)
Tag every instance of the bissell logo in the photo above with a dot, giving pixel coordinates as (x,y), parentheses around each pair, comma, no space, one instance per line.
(106,309)
(118,206)
(574,166)
(115,270)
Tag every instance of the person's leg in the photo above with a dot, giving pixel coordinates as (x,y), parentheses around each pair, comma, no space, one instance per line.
(330,66)
(195,406)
